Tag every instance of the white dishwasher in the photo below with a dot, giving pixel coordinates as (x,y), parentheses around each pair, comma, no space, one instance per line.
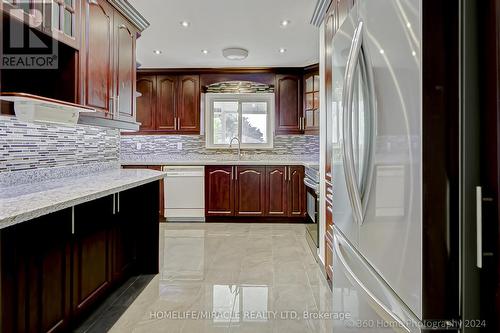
(184,193)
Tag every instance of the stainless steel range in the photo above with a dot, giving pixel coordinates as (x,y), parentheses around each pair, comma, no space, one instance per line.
(311,180)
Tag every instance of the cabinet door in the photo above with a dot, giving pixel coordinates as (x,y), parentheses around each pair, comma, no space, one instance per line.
(188,104)
(296,191)
(91,252)
(219,191)
(36,274)
(250,190)
(166,91)
(289,113)
(123,236)
(276,191)
(97,59)
(146,103)
(124,69)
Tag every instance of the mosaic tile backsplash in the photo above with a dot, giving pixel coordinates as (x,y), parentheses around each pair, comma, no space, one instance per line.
(195,144)
(29,146)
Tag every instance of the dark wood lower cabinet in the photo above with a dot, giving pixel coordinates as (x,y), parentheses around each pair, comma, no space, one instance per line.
(250,191)
(276,191)
(255,191)
(219,191)
(51,277)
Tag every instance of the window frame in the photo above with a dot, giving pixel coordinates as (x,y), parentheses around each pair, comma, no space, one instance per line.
(267,98)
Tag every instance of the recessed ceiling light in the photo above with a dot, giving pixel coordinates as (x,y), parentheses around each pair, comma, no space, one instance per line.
(204,51)
(157,52)
(413,53)
(235,53)
(285,23)
(185,24)
(381,51)
(282,50)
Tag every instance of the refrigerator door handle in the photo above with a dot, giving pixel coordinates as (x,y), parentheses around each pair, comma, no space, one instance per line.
(347,97)
(404,319)
(479,227)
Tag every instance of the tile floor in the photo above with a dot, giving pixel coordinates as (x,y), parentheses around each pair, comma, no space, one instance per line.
(218,277)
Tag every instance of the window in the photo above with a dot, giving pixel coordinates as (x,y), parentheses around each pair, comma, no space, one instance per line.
(248,117)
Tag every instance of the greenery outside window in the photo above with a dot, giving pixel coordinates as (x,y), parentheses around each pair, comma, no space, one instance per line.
(248,117)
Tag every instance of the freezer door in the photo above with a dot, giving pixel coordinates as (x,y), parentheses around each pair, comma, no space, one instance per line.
(363,301)
(342,213)
(391,232)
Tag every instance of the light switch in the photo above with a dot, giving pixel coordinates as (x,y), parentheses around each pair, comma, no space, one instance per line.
(179,145)
(138,146)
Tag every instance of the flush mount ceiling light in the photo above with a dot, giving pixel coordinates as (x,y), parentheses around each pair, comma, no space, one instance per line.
(157,52)
(235,53)
(282,50)
(204,51)
(285,23)
(185,24)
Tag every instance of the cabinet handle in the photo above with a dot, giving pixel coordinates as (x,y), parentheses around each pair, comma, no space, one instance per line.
(289,174)
(114,204)
(93,2)
(117,111)
(73,220)
(118,201)
(303,123)
(232,173)
(178,123)
(175,123)
(236,173)
(112,105)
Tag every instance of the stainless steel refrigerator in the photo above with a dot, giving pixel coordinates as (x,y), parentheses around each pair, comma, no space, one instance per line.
(377,167)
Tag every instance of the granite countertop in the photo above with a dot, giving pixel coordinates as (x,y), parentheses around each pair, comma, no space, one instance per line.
(219,160)
(25,202)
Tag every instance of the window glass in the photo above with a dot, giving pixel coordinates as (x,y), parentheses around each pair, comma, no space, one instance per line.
(225,121)
(254,122)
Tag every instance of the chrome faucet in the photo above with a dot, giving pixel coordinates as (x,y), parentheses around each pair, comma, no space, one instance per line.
(239,146)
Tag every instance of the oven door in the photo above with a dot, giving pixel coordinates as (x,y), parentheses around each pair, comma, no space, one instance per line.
(312,204)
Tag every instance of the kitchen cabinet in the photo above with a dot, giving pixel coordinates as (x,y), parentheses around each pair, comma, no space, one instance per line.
(289,116)
(276,190)
(165,105)
(107,62)
(59,19)
(124,65)
(296,191)
(146,86)
(36,275)
(91,252)
(219,191)
(161,202)
(170,104)
(311,102)
(188,104)
(250,190)
(96,72)
(256,191)
(49,283)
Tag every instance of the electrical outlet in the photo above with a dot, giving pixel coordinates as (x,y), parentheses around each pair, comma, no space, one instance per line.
(138,146)
(179,145)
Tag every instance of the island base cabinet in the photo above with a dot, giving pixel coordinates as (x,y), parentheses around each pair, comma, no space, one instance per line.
(54,269)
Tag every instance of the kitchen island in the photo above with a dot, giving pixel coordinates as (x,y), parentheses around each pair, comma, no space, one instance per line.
(67,242)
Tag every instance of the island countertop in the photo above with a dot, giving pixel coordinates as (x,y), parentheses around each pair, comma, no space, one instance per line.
(25,202)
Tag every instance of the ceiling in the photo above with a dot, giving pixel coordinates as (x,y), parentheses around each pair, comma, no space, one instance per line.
(217,24)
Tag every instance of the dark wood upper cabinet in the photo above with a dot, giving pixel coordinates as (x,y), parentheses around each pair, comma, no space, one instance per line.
(165,117)
(296,191)
(250,190)
(146,102)
(176,108)
(219,191)
(97,56)
(276,191)
(289,112)
(311,102)
(125,80)
(188,105)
